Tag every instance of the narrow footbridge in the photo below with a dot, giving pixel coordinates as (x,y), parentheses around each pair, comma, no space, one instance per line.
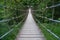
(22,20)
(30,30)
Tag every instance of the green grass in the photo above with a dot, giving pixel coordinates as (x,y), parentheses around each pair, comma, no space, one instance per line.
(13,34)
(53,28)
(47,34)
(4,28)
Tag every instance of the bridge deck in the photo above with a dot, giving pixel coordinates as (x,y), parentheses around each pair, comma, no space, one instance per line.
(30,30)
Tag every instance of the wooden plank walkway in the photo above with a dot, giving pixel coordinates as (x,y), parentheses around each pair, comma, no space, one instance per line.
(30,30)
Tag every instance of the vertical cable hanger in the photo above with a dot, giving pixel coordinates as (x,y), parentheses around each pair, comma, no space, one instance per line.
(4,7)
(53,10)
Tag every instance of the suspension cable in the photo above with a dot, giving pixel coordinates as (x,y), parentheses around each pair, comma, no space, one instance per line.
(53,6)
(49,19)
(11,18)
(11,29)
(48,30)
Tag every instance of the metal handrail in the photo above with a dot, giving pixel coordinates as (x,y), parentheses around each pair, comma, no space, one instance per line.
(54,6)
(48,30)
(11,29)
(10,19)
(49,19)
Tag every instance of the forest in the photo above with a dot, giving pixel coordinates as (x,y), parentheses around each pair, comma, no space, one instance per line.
(13,13)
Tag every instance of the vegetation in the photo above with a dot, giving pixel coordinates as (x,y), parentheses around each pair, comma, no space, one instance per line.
(13,9)
(11,15)
(45,15)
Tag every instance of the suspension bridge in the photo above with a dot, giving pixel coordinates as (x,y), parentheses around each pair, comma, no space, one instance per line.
(30,30)
(29,20)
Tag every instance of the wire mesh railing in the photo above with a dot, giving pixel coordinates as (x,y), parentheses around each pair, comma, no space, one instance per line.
(8,25)
(11,29)
(49,19)
(11,18)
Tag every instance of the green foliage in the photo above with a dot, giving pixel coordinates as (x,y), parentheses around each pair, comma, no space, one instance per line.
(52,13)
(11,9)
